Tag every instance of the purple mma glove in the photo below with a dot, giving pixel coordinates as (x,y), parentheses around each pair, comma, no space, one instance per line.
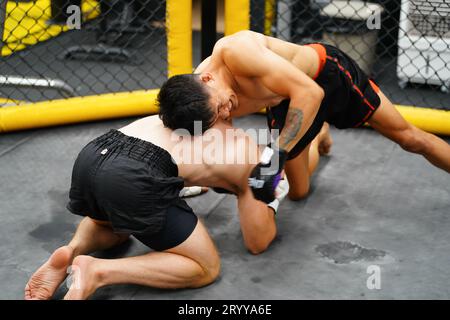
(266,176)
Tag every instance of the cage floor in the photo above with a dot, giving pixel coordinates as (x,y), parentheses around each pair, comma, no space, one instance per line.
(371,204)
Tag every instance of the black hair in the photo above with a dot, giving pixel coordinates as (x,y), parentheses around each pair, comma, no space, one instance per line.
(183,100)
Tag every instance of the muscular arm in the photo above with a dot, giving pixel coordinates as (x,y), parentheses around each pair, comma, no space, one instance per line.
(257,220)
(291,133)
(248,56)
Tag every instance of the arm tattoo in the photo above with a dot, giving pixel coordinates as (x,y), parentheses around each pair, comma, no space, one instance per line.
(290,133)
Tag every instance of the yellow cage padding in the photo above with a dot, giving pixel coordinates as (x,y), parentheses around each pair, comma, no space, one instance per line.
(179,36)
(137,103)
(79,109)
(237,16)
(269,16)
(431,120)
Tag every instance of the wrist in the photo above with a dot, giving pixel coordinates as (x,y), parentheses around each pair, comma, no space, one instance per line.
(280,151)
(266,155)
(274,205)
(279,157)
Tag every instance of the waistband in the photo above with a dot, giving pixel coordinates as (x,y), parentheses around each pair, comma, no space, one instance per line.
(332,53)
(322,53)
(138,149)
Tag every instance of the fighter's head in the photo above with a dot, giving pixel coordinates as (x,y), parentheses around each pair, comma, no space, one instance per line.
(186,98)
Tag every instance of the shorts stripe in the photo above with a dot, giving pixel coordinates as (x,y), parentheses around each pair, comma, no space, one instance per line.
(355,87)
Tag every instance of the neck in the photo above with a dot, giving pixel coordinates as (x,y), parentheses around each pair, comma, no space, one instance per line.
(230,80)
(225,77)
(222,124)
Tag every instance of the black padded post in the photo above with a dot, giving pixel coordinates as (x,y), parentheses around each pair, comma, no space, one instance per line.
(257,15)
(209,18)
(59,10)
(2,20)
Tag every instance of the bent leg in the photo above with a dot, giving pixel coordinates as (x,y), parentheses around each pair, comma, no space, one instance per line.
(193,263)
(94,235)
(389,122)
(300,169)
(91,235)
(297,172)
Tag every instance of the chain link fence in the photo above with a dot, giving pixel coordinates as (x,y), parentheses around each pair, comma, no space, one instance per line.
(61,48)
(58,48)
(403,44)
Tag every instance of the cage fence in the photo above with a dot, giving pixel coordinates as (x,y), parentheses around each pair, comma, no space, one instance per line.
(62,48)
(403,44)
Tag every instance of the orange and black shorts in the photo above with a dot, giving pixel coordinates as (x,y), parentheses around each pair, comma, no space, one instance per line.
(351,97)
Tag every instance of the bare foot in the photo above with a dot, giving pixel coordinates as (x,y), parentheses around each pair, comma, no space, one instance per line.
(325,140)
(44,282)
(84,278)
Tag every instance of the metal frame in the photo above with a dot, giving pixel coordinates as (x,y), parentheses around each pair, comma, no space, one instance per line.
(43,83)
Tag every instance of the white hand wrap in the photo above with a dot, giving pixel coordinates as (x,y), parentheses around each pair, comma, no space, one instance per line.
(280,193)
(190,191)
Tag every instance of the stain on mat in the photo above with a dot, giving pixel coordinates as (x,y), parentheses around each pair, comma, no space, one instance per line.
(256,279)
(342,252)
(62,223)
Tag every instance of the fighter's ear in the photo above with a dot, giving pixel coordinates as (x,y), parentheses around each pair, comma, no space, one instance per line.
(225,111)
(206,77)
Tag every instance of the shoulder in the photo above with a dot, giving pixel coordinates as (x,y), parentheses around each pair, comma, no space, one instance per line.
(238,41)
(243,52)
(241,154)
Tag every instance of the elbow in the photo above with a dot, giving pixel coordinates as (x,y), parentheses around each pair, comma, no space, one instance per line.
(258,246)
(318,93)
(257,249)
(311,95)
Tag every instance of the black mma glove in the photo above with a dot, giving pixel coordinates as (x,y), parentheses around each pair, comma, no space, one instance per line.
(267,174)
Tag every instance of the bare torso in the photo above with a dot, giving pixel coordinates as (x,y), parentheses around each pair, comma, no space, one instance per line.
(199,158)
(252,94)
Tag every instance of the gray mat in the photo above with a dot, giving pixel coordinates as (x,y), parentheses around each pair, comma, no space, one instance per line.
(371,203)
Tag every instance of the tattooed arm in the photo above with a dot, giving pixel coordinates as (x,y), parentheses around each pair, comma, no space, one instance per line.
(291,133)
(247,55)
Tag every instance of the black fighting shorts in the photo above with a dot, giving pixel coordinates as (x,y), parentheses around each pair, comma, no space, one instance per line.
(134,185)
(350,98)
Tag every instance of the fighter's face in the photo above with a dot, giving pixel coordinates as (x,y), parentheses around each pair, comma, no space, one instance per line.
(222,99)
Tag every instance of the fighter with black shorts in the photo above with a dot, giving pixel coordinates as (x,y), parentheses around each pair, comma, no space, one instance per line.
(134,185)
(128,182)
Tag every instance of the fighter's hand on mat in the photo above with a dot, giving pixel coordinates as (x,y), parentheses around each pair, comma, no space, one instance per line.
(187,192)
(280,193)
(267,174)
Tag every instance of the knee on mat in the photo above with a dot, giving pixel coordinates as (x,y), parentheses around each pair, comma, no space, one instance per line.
(296,195)
(209,273)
